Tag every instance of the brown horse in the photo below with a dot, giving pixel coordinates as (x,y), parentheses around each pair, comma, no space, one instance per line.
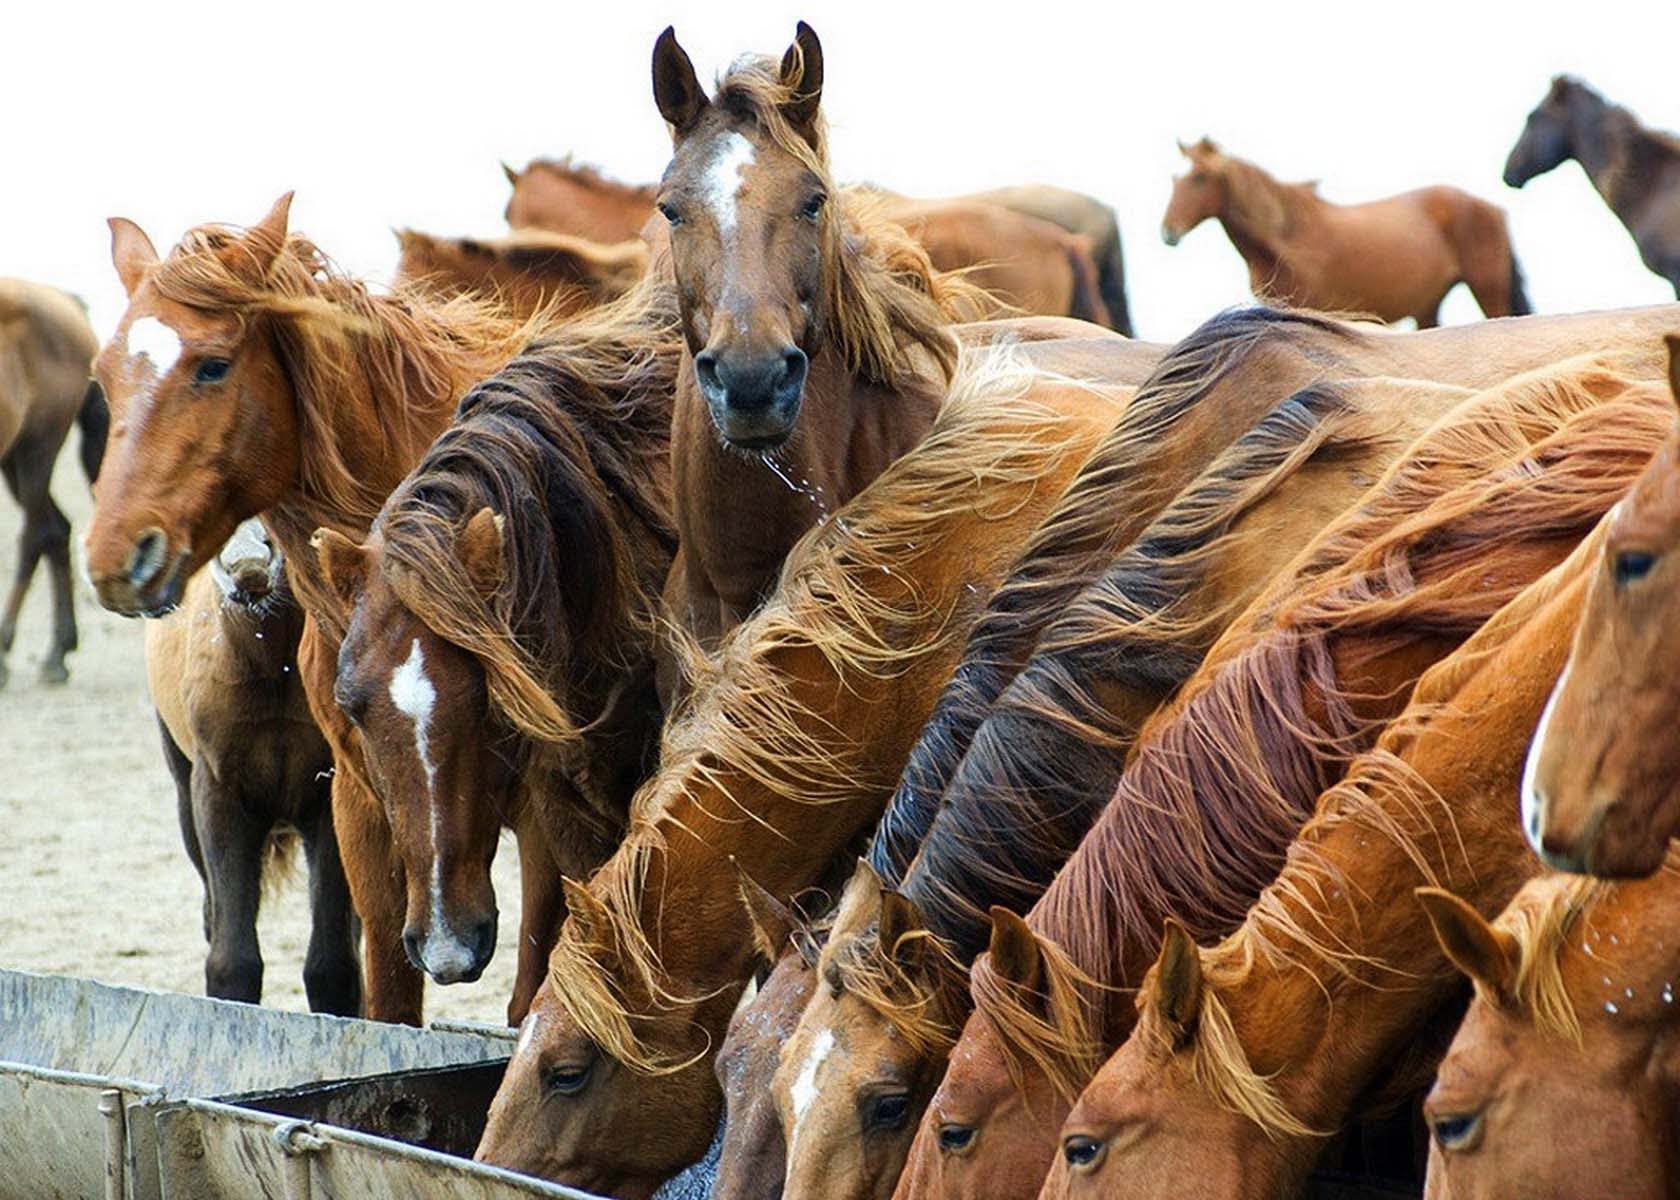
(251,768)
(1249,1055)
(46,348)
(818,338)
(961,232)
(248,376)
(1391,258)
(563,196)
(498,659)
(1221,780)
(783,755)
(1636,169)
(531,272)
(1602,790)
(1562,1080)
(859,1070)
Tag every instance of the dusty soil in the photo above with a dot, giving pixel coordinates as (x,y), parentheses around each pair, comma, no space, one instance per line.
(93,880)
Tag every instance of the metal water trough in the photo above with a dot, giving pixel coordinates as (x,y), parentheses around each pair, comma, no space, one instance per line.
(87,1070)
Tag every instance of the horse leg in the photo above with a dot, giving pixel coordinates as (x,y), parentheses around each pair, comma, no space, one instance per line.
(180,770)
(65,639)
(28,472)
(331,976)
(541,910)
(395,990)
(233,842)
(1429,318)
(25,566)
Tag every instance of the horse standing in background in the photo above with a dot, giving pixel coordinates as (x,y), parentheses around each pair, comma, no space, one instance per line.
(251,769)
(1636,169)
(1392,258)
(530,272)
(563,196)
(46,352)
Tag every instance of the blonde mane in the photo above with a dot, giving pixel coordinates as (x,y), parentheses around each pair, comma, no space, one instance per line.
(888,308)
(849,591)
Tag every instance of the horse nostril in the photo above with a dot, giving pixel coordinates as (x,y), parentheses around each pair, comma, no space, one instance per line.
(794,366)
(147,559)
(484,941)
(411,947)
(706,371)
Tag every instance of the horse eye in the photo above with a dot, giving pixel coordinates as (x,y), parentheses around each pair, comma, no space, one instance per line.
(956,1139)
(670,213)
(212,370)
(1633,564)
(351,702)
(813,207)
(888,1112)
(1456,1132)
(1082,1152)
(566,1081)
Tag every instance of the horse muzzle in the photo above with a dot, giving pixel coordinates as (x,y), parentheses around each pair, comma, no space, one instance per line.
(447,956)
(754,400)
(150,581)
(1170,236)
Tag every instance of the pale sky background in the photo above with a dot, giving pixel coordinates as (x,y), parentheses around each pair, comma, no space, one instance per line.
(389,115)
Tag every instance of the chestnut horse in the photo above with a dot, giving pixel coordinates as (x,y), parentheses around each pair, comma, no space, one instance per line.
(498,660)
(784,754)
(858,1071)
(1221,780)
(1636,169)
(1391,258)
(530,272)
(1562,1080)
(818,338)
(1247,1056)
(46,348)
(251,768)
(1007,252)
(1601,793)
(248,377)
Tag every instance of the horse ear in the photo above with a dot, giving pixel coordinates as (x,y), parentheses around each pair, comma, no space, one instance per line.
(344,565)
(1014,950)
(593,922)
(1672,341)
(512,175)
(1183,147)
(899,916)
(268,236)
(480,548)
(1207,145)
(802,73)
(1487,955)
(772,921)
(1175,988)
(676,88)
(132,253)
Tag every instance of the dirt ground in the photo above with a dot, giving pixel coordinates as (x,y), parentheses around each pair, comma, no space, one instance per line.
(93,879)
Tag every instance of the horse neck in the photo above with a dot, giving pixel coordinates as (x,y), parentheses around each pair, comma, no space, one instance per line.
(1608,141)
(1248,192)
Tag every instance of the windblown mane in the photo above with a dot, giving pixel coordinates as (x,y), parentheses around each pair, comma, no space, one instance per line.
(1011,815)
(1078,539)
(849,591)
(406,356)
(1220,784)
(570,442)
(887,307)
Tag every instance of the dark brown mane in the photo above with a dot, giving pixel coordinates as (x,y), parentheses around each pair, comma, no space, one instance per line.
(570,444)
(405,356)
(590,176)
(1219,785)
(1080,538)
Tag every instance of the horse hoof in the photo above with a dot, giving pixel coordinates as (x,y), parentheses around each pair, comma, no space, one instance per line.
(54,673)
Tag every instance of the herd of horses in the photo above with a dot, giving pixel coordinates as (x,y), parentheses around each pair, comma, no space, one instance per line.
(953,748)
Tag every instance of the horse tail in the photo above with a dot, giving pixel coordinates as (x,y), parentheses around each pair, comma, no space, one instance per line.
(279,860)
(94,420)
(1520,306)
(1111,281)
(1087,300)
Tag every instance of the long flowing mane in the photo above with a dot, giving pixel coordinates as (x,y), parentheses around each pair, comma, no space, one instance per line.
(888,308)
(407,357)
(570,442)
(1219,785)
(1009,818)
(849,592)
(1079,538)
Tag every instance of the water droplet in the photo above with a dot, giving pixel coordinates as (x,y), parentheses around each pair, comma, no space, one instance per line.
(1628,992)
(1610,1007)
(1607,981)
(1614,940)
(1668,993)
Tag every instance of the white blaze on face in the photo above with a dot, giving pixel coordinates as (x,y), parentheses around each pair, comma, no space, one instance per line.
(721,186)
(527,1034)
(153,346)
(1531,800)
(804,1090)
